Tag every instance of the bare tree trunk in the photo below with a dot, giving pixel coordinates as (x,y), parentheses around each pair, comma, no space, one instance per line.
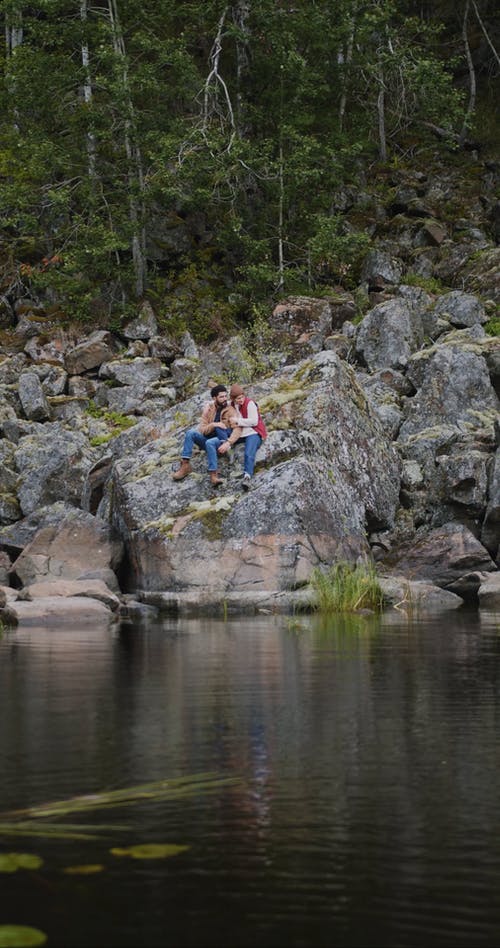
(472,77)
(347,64)
(486,34)
(382,139)
(214,80)
(281,253)
(241,12)
(87,92)
(13,38)
(13,31)
(134,159)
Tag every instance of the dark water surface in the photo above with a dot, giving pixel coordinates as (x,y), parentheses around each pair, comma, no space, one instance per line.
(365,808)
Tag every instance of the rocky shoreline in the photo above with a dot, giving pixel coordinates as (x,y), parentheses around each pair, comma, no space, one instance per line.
(384,435)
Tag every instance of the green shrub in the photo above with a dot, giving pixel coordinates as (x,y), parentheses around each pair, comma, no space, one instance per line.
(492,327)
(347,588)
(115,421)
(196,301)
(336,252)
(429,284)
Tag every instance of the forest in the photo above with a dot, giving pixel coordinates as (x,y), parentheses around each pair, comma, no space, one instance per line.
(195,153)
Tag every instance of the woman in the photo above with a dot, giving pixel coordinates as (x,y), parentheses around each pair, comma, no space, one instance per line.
(250,430)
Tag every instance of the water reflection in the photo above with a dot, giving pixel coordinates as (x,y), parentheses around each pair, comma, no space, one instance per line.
(366,751)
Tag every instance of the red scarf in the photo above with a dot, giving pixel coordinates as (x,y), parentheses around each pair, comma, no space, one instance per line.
(260,427)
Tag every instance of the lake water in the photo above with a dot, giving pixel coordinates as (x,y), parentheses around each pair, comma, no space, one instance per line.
(341,781)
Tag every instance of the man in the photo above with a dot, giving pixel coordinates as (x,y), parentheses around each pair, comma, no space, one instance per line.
(214,428)
(248,429)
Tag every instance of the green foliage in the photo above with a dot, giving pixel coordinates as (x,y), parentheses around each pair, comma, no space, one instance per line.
(492,327)
(195,304)
(145,172)
(337,253)
(429,284)
(116,423)
(347,588)
(258,341)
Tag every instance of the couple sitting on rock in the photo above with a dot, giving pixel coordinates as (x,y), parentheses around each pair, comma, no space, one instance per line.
(223,424)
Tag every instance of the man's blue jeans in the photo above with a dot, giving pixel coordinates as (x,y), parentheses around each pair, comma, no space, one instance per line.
(252,445)
(210,445)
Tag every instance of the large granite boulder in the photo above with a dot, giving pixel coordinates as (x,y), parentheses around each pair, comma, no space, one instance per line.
(54,379)
(33,399)
(74,612)
(465,479)
(66,549)
(446,473)
(443,555)
(52,465)
(99,347)
(144,326)
(379,264)
(472,339)
(481,272)
(462,309)
(15,536)
(414,597)
(489,592)
(389,334)
(165,348)
(139,372)
(326,475)
(68,588)
(186,376)
(10,510)
(8,476)
(384,390)
(11,367)
(453,386)
(4,568)
(301,321)
(490,535)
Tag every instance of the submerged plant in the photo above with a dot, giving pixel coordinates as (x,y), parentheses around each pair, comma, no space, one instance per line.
(51,830)
(346,588)
(175,788)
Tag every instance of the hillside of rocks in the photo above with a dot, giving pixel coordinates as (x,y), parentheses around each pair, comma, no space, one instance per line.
(383,438)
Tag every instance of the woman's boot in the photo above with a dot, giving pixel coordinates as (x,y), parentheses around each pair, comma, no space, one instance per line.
(215,480)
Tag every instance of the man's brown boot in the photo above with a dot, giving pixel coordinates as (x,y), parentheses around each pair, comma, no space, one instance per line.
(215,480)
(183,471)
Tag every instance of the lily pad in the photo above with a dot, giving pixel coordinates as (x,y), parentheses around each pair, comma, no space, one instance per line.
(11,862)
(21,936)
(88,870)
(150,851)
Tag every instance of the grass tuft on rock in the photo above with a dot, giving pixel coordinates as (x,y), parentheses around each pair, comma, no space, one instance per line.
(345,587)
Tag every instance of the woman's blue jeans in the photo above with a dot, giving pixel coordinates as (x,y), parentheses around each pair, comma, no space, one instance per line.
(210,445)
(252,445)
